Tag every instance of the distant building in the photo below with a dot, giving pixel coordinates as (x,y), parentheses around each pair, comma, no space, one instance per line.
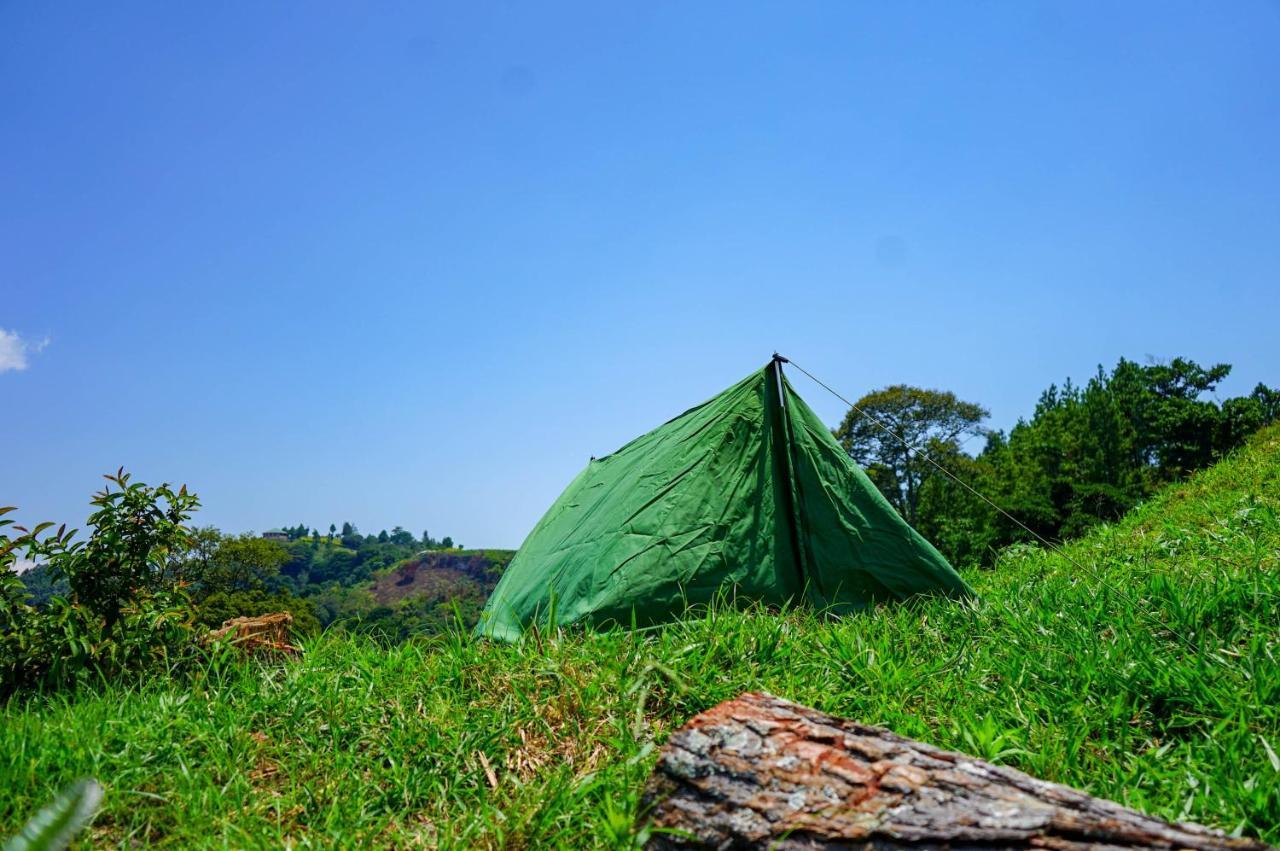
(276,535)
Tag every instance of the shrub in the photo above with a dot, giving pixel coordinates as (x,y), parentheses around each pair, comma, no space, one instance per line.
(126,611)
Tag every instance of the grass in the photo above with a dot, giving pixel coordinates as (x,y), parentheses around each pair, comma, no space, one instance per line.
(1150,677)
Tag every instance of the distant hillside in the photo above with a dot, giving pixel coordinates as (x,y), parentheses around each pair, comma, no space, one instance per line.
(441,575)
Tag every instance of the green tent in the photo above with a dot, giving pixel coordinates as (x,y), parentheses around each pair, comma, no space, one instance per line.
(746,494)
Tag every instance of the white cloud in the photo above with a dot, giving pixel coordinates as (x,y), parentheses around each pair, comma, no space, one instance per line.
(14,350)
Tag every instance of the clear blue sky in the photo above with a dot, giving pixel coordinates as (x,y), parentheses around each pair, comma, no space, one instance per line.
(414,265)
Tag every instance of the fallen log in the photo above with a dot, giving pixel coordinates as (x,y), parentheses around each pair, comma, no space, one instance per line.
(760,772)
(261,633)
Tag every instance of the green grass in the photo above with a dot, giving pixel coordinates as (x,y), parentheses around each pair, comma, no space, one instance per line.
(1158,687)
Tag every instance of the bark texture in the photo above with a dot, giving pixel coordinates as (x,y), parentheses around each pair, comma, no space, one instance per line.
(760,772)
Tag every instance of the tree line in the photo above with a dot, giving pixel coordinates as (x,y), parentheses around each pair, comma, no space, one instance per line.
(352,539)
(1086,455)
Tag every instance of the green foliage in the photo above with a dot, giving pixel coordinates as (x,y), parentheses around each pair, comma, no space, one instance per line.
(1087,455)
(1149,677)
(139,590)
(427,595)
(53,828)
(17,617)
(880,423)
(43,585)
(339,605)
(228,576)
(137,532)
(125,613)
(213,610)
(224,564)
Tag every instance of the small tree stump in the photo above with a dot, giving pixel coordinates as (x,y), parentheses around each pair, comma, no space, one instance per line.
(760,772)
(269,633)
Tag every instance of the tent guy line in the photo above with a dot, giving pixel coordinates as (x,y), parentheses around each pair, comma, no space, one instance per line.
(1057,547)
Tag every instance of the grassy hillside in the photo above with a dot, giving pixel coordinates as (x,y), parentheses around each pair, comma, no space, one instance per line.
(1142,665)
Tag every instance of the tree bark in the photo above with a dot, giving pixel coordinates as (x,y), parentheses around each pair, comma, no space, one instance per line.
(760,772)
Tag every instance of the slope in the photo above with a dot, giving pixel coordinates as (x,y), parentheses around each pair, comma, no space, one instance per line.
(1141,664)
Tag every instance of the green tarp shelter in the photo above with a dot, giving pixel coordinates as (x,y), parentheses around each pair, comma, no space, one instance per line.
(747,494)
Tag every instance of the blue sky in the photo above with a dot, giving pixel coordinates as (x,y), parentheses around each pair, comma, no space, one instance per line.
(415,264)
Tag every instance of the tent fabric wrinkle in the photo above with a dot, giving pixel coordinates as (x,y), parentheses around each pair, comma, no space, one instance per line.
(747,494)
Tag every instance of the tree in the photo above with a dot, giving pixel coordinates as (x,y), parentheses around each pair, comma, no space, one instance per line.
(333,530)
(401,537)
(951,517)
(383,537)
(223,564)
(922,418)
(1244,415)
(447,543)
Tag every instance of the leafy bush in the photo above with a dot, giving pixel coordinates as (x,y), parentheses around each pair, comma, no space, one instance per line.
(126,610)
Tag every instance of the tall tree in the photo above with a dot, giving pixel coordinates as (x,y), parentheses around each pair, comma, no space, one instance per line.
(905,416)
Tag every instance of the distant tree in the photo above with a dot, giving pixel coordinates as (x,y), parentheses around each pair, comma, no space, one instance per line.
(1087,454)
(348,529)
(223,564)
(383,537)
(1244,415)
(401,537)
(42,586)
(336,565)
(922,419)
(333,530)
(447,543)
